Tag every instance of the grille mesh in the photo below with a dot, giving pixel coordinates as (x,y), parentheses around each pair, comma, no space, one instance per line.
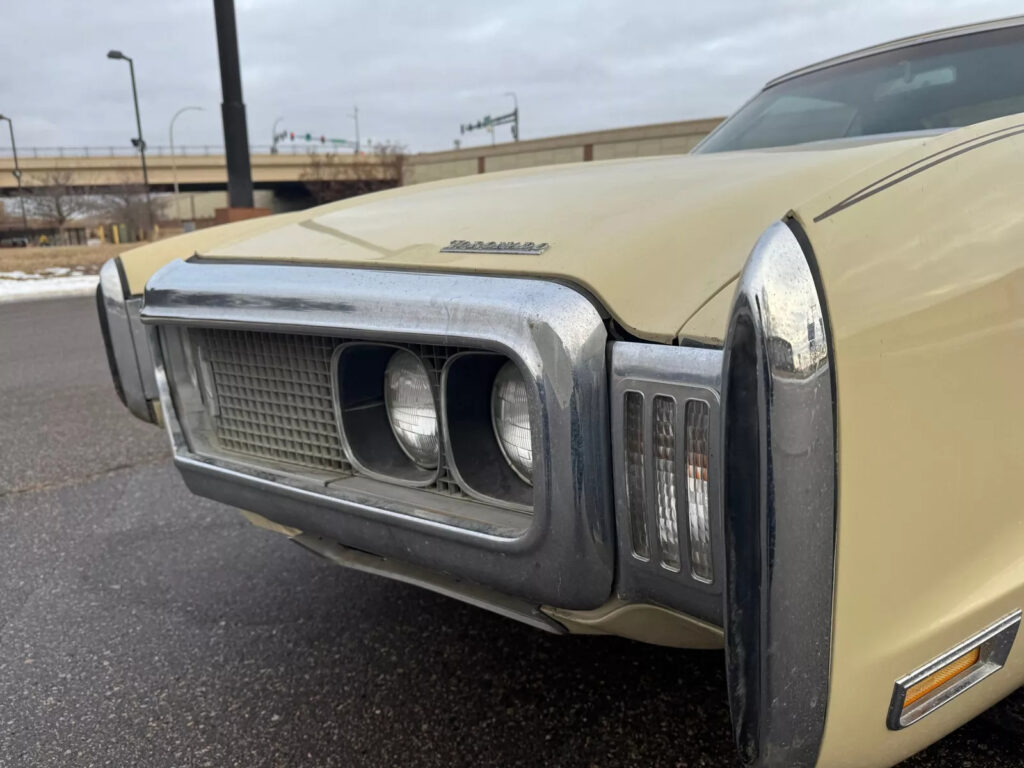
(274,397)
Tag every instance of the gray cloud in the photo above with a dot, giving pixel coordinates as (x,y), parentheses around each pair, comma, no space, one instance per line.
(417,69)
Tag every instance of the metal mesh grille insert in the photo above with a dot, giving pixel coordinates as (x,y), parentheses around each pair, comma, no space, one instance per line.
(274,400)
(273,395)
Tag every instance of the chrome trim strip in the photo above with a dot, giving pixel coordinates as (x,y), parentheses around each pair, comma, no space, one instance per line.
(995,642)
(902,42)
(845,58)
(126,342)
(780,509)
(565,557)
(681,373)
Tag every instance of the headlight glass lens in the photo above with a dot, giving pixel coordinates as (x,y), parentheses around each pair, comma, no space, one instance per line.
(410,406)
(510,414)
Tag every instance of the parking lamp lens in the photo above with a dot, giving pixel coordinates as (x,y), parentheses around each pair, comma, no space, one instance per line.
(411,410)
(510,415)
(698,460)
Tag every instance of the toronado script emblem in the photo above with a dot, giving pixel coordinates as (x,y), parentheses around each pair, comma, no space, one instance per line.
(481,246)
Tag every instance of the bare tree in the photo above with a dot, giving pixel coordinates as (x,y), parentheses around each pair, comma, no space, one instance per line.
(126,204)
(333,176)
(54,200)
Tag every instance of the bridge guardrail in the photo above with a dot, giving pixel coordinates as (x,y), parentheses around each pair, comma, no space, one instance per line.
(189,150)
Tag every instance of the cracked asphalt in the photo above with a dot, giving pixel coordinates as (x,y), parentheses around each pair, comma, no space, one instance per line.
(141,626)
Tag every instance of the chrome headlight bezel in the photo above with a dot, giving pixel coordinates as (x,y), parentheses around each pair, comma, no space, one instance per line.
(364,422)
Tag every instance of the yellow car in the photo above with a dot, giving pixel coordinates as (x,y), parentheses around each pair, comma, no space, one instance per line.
(765,396)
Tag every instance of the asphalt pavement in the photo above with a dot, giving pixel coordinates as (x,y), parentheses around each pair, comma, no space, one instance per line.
(142,626)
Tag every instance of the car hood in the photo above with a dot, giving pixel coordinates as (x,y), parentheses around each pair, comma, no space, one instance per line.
(651,239)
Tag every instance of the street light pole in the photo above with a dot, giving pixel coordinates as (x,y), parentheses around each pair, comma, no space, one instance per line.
(355,116)
(17,175)
(138,124)
(174,164)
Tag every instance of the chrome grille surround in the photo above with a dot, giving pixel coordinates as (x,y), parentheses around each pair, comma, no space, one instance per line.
(561,555)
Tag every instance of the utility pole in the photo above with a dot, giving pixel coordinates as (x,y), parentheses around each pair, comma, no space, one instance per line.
(355,116)
(140,142)
(17,175)
(236,135)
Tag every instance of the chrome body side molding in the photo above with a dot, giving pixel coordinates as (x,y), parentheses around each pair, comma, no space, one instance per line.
(780,505)
(562,556)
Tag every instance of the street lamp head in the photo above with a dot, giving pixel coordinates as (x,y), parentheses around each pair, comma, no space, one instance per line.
(115,55)
(2,117)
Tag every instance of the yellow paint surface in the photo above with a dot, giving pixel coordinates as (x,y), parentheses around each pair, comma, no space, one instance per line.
(653,238)
(924,282)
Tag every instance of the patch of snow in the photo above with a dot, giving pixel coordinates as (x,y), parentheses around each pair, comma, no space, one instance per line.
(28,287)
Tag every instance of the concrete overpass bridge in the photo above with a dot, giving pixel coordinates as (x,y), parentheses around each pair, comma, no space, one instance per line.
(203,168)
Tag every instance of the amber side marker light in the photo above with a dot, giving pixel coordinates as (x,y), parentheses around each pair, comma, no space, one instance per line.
(944,678)
(944,675)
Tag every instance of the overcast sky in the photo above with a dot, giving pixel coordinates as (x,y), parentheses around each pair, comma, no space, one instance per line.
(416,68)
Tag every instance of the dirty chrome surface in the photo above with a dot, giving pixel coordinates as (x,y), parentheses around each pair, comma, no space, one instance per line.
(128,349)
(564,557)
(779,430)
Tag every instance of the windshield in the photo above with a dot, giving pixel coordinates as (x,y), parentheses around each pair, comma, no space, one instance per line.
(937,85)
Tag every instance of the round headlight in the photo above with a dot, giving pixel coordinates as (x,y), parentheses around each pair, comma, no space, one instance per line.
(510,414)
(410,406)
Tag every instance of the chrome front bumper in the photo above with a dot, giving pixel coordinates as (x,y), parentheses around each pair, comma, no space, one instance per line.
(564,555)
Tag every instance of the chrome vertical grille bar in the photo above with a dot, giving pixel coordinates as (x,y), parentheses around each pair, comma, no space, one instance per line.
(636,475)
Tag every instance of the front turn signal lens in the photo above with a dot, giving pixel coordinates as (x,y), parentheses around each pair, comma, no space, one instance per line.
(698,509)
(665,484)
(636,476)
